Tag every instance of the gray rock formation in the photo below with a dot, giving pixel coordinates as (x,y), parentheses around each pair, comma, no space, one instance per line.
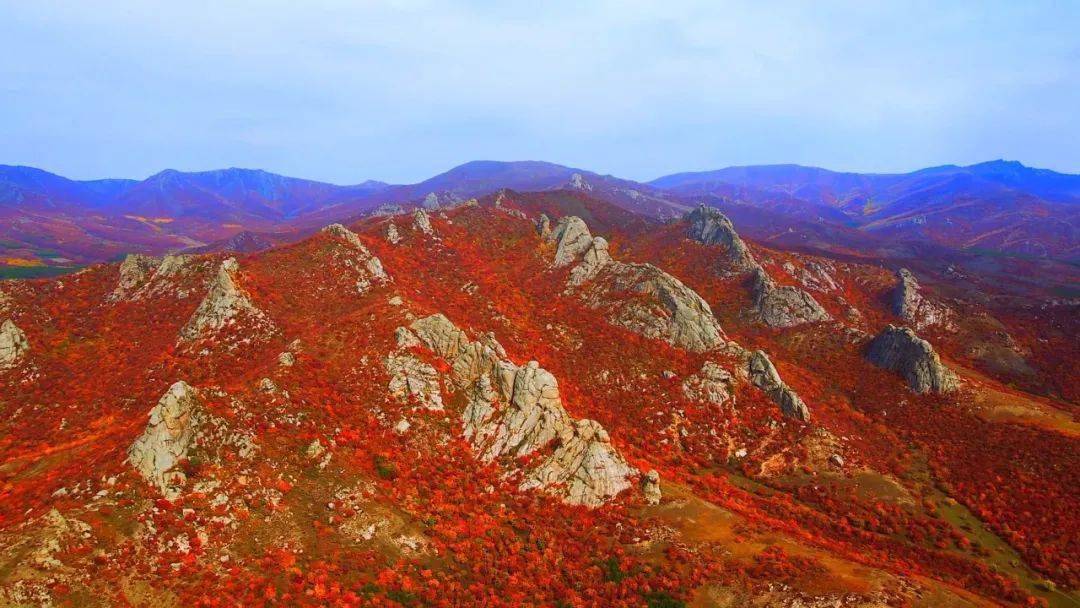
(543,226)
(712,384)
(13,345)
(225,304)
(422,222)
(369,269)
(910,305)
(785,306)
(135,271)
(572,238)
(650,487)
(392,235)
(179,428)
(168,439)
(577,182)
(515,411)
(764,376)
(659,306)
(710,227)
(899,350)
(412,380)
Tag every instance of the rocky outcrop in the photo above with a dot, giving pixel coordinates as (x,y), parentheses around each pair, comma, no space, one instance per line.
(710,227)
(543,226)
(899,350)
(572,239)
(712,384)
(422,222)
(783,306)
(515,410)
(168,439)
(910,305)
(638,297)
(225,305)
(415,381)
(650,487)
(135,271)
(577,182)
(764,376)
(392,235)
(178,428)
(369,269)
(13,345)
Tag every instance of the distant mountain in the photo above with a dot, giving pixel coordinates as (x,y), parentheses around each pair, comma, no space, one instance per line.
(999,205)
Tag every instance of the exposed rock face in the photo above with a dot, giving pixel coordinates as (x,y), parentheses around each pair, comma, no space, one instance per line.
(543,226)
(412,379)
(661,306)
(785,306)
(577,182)
(710,227)
(392,235)
(224,305)
(168,439)
(572,238)
(135,271)
(764,376)
(650,487)
(13,345)
(910,305)
(899,350)
(368,267)
(422,222)
(514,411)
(713,384)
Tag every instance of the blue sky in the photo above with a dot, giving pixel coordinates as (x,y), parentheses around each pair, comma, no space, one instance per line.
(399,91)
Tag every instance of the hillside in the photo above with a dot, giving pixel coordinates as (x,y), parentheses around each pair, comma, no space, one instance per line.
(535,398)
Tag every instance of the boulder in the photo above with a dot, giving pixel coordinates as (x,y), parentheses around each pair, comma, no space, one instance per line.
(422,222)
(909,304)
(413,380)
(785,306)
(543,226)
(899,350)
(225,304)
(650,487)
(369,269)
(13,345)
(577,182)
(712,384)
(710,227)
(516,410)
(763,375)
(592,261)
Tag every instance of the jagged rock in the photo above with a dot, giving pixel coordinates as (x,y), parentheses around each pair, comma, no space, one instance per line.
(910,305)
(814,275)
(412,379)
(225,303)
(650,487)
(543,226)
(431,201)
(168,439)
(13,345)
(577,182)
(135,271)
(593,260)
(785,306)
(368,267)
(178,428)
(392,235)
(899,350)
(572,238)
(764,376)
(514,410)
(5,301)
(286,359)
(710,227)
(661,306)
(422,222)
(713,384)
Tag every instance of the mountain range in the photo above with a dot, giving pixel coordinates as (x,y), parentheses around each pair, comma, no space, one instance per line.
(1002,207)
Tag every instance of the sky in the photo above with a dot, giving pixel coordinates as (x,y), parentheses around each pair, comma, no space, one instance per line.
(402,90)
